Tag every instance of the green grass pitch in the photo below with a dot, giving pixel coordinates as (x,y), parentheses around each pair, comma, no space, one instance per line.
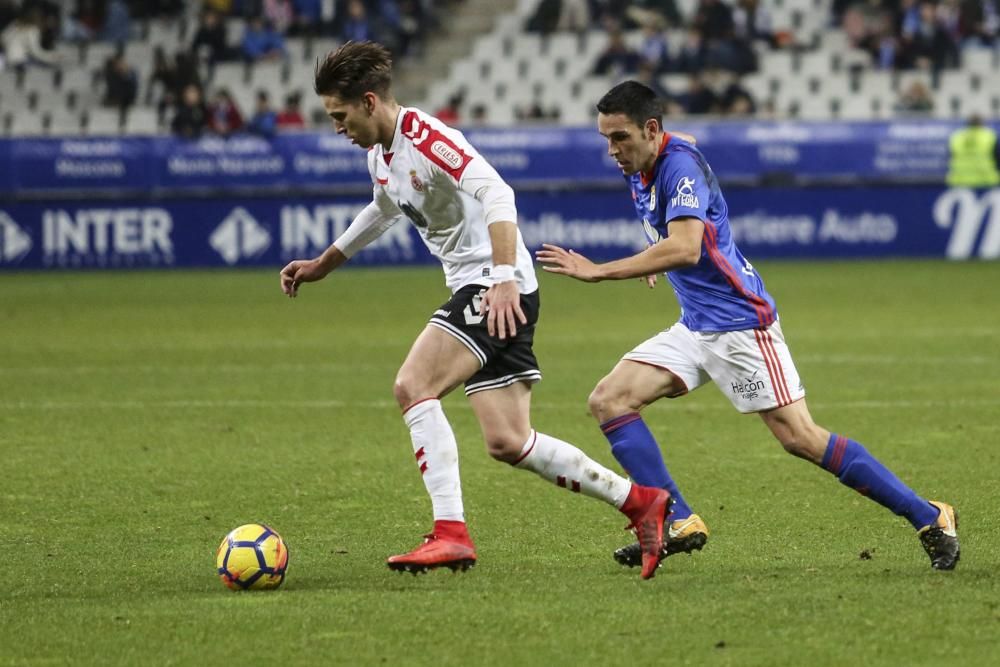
(145,414)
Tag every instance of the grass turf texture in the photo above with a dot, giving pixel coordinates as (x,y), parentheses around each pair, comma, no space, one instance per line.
(144,415)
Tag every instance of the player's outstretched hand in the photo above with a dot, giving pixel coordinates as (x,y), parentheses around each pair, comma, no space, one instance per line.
(567,262)
(649,280)
(502,304)
(301,271)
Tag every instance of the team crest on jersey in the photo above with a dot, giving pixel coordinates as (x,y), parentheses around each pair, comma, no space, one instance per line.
(685,196)
(652,198)
(417,184)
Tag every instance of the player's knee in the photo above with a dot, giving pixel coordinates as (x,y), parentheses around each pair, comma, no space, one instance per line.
(406,391)
(803,443)
(504,448)
(602,402)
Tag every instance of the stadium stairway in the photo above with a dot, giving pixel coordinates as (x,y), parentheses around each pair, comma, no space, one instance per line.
(452,40)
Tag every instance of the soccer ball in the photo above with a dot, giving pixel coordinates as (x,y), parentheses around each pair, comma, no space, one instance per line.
(252,557)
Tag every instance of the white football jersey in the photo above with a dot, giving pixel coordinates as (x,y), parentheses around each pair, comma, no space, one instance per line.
(432,176)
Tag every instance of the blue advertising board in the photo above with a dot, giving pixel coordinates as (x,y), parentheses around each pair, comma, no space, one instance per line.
(827,222)
(529,158)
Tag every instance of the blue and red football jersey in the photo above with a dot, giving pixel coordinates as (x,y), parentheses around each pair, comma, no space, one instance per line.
(723,292)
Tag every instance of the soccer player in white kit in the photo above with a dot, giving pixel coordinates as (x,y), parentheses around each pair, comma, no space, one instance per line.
(428,173)
(728,333)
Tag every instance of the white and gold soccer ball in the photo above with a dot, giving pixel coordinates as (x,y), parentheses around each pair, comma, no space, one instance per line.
(252,557)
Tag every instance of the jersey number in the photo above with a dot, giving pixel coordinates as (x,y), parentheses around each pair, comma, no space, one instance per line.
(473,312)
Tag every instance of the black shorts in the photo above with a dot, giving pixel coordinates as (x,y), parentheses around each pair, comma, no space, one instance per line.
(502,362)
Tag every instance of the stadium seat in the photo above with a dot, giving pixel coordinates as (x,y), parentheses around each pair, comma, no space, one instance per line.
(141,121)
(103,122)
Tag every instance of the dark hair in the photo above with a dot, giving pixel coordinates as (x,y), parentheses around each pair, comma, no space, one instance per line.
(635,100)
(354,69)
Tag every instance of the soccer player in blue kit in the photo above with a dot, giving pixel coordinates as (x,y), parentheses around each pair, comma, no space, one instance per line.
(728,333)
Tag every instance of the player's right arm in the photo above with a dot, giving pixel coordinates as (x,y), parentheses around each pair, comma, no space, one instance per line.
(367,226)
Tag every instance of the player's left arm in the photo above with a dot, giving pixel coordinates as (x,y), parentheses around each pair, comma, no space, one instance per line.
(681,249)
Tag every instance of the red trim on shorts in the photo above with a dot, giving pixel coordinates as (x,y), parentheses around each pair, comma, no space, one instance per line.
(771,372)
(663,368)
(534,439)
(382,181)
(422,400)
(769,342)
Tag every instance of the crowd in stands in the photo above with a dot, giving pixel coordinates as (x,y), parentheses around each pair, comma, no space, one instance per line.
(722,40)
(711,47)
(179,83)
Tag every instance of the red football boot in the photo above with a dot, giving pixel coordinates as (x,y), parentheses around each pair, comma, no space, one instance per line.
(647,508)
(448,546)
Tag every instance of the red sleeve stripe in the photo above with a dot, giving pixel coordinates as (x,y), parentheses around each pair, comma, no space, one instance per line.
(436,147)
(765,316)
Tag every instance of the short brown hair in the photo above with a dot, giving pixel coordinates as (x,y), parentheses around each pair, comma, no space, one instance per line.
(354,69)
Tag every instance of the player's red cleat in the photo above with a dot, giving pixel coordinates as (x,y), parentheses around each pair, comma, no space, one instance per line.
(647,508)
(448,546)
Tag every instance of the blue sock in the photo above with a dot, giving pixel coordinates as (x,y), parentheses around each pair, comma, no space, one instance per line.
(637,451)
(856,468)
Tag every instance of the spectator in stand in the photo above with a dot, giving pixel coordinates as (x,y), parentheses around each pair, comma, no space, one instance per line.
(191,117)
(162,80)
(736,100)
(617,59)
(121,83)
(290,116)
(264,121)
(117,26)
(85,23)
(357,27)
(477,116)
(280,14)
(691,57)
(224,117)
(916,100)
(308,18)
(752,23)
(930,47)
(261,42)
(646,74)
(978,22)
(545,18)
(699,98)
(21,42)
(450,113)
(411,22)
(714,18)
(50,21)
(211,40)
(654,50)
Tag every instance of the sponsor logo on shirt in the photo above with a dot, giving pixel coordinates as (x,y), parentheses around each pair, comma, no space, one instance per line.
(448,155)
(652,198)
(685,196)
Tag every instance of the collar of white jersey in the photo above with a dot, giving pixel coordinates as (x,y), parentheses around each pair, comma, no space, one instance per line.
(398,132)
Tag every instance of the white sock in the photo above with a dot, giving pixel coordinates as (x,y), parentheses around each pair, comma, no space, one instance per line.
(437,458)
(566,466)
